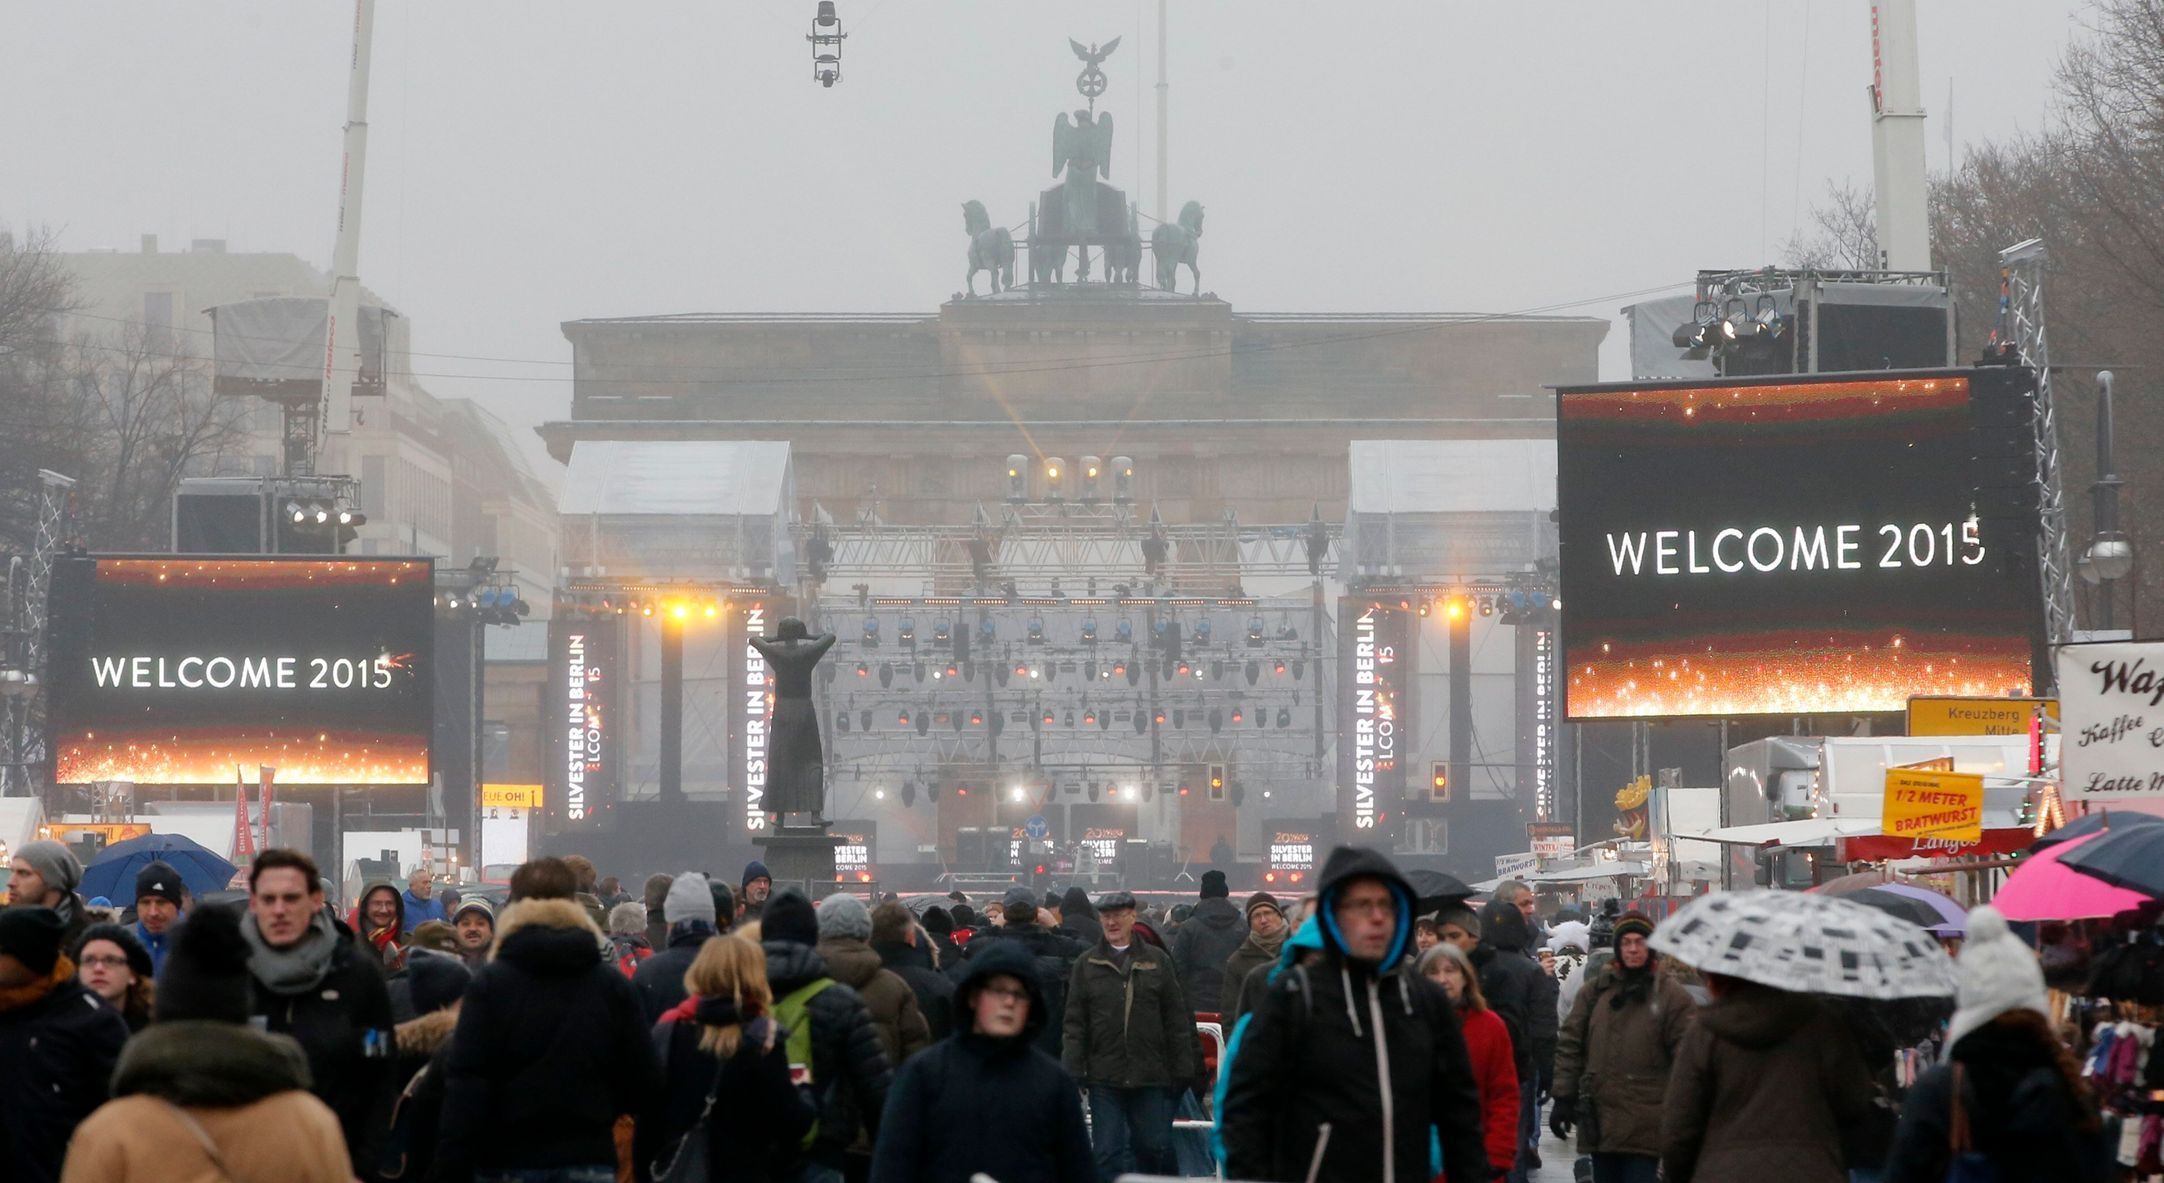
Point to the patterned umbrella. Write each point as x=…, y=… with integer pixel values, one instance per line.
x=1812, y=944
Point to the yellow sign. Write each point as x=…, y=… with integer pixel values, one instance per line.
x=510, y=796
x=112, y=831
x=1976, y=716
x=1934, y=805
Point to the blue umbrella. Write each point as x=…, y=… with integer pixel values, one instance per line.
x=2131, y=857
x=113, y=873
x=2095, y=823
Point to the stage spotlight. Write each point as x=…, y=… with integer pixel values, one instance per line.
x=1217, y=720
x=1134, y=675
x=1284, y=717
x=1454, y=608
x=1015, y=793
x=904, y=719
x=908, y=632
x=1142, y=721
x=1124, y=632
x=1253, y=671
x=886, y=674
x=1425, y=603
x=1018, y=477
x=1089, y=630
x=909, y=793
x=871, y=632
x=924, y=722
x=1036, y=631
x=879, y=794
x=1048, y=718
x=352, y=517
x=1202, y=631
x=864, y=720
x=1217, y=670
x=976, y=718
x=1298, y=667
x=841, y=722
x=1123, y=478
x=1051, y=672
x=1487, y=605
x=1280, y=665
x=999, y=674
x=916, y=670
x=1238, y=715
x=1179, y=716
x=941, y=633
x=1089, y=718
x=1093, y=471
x=1254, y=632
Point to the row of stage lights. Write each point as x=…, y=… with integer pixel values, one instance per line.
x=668, y=607
x=1216, y=789
x=490, y=603
x=1733, y=326
x=315, y=514
x=1164, y=633
x=924, y=718
x=1089, y=478
x=1088, y=670
x=1516, y=606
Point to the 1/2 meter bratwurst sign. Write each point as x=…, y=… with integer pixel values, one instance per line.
x=1798, y=545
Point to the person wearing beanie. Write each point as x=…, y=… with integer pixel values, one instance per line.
x=113, y=965
x=2027, y=1108
x=159, y=897
x=1078, y=918
x=906, y=948
x=754, y=889
x=724, y=897
x=58, y=1043
x=1208, y=939
x=849, y=1068
x=1266, y=932
x=940, y=927
x=688, y=912
x=474, y=923
x=45, y=874
x=845, y=942
x=201, y=1095
x=1613, y=1055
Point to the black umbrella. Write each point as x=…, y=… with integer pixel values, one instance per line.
x=1901, y=907
x=2095, y=823
x=2131, y=857
x=1436, y=889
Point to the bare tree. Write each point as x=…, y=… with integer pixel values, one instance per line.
x=1843, y=234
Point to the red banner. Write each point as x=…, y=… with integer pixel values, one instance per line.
x=243, y=836
x=1872, y=847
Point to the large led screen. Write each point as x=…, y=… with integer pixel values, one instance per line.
x=1797, y=545
x=178, y=670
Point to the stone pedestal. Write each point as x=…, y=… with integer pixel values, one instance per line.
x=800, y=856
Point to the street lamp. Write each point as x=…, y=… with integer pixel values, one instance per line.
x=2111, y=555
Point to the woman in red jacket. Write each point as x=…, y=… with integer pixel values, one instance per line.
x=1487, y=1044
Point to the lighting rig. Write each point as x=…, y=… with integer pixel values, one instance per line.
x=481, y=591
x=826, y=40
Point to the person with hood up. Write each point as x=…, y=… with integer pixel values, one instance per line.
x=1266, y=932
x=550, y=1049
x=313, y=980
x=1764, y=1087
x=849, y=1074
x=159, y=897
x=202, y=1095
x=1487, y=1043
x=845, y=931
x=907, y=952
x=1524, y=995
x=58, y=1043
x=689, y=910
x=991, y=1077
x=1130, y=1040
x=1206, y=941
x=1054, y=953
x=1078, y=917
x=938, y=925
x=1613, y=1058
x=45, y=874
x=380, y=919
x=2009, y=1093
x=474, y=923
x=1344, y=1065
x=628, y=946
x=724, y=1060
x=113, y=965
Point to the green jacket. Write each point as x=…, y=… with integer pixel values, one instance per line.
x=1129, y=1026
x=1616, y=1061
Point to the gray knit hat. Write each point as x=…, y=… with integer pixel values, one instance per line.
x=53, y=862
x=844, y=915
x=689, y=899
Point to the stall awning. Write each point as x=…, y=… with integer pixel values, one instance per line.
x=1810, y=831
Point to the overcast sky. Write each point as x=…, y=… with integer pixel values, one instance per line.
x=536, y=161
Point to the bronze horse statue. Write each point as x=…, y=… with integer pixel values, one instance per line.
x=1174, y=243
x=991, y=248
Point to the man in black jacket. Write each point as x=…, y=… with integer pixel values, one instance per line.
x=849, y=1070
x=1524, y=995
x=1212, y=933
x=57, y=1040
x=1345, y=1066
x=550, y=1049
x=903, y=949
x=987, y=1100
x=310, y=978
x=1130, y=1040
x=1052, y=952
x=689, y=911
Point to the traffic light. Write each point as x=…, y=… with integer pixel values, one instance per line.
x=1439, y=781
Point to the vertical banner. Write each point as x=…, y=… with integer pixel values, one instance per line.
x=2111, y=720
x=1374, y=676
x=243, y=830
x=585, y=749
x=266, y=774
x=751, y=701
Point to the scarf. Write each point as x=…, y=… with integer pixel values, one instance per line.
x=17, y=997
x=1631, y=985
x=295, y=970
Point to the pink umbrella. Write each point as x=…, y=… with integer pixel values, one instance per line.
x=2041, y=889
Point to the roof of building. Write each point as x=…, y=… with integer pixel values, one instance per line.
x=677, y=478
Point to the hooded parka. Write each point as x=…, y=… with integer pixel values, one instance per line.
x=1201, y=947
x=1344, y=1067
x=1614, y=1057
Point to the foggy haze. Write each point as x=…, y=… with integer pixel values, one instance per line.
x=531, y=163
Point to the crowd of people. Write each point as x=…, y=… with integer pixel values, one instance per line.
x=704, y=1031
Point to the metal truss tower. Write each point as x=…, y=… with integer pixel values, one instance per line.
x=23, y=736
x=2021, y=326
